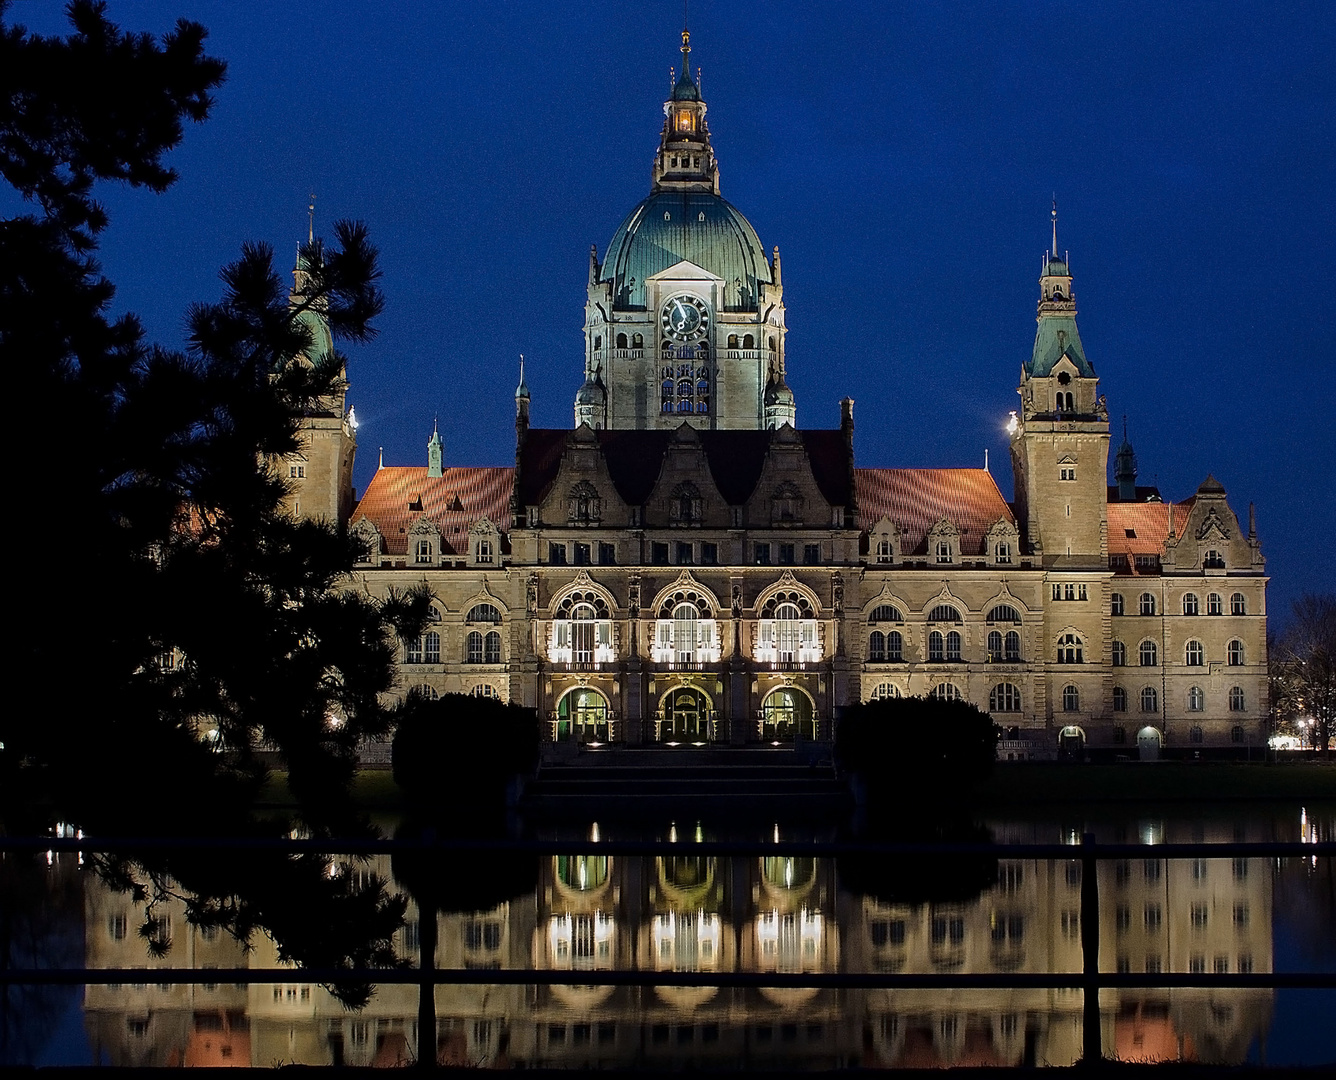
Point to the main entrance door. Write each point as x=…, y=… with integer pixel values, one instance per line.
x=582, y=716
x=686, y=717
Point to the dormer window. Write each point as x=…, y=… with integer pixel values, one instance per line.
x=584, y=505
x=485, y=552
x=944, y=553
x=884, y=554
x=422, y=551
x=1002, y=552
x=786, y=505
x=1213, y=560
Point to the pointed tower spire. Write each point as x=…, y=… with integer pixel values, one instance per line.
x=685, y=161
x=522, y=391
x=1053, y=252
x=435, y=452
x=1125, y=469
x=310, y=220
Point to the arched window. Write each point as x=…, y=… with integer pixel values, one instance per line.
x=732, y=341
x=1071, y=699
x=787, y=631
x=1213, y=560
x=885, y=553
x=685, y=504
x=953, y=645
x=946, y=692
x=684, y=406
x=1193, y=655
x=582, y=630
x=1215, y=604
x=772, y=342
x=936, y=647
x=1196, y=699
x=1004, y=697
x=895, y=647
x=1004, y=613
x=1235, y=653
x=994, y=646
x=1116, y=604
x=1011, y=647
x=621, y=341
x=1190, y=606
x=1147, y=606
x=684, y=632
x=876, y=647
x=432, y=647
x=1238, y=604
x=786, y=712
x=483, y=613
x=491, y=648
x=1236, y=699
x=1195, y=733
x=1071, y=650
x=473, y=648
x=944, y=613
x=1149, y=656
x=429, y=692
x=1119, y=651
x=702, y=406
x=1150, y=699
x=584, y=507
x=885, y=690
x=637, y=341
x=886, y=613
x=1119, y=699
x=748, y=342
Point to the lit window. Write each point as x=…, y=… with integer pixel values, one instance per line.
x=1193, y=655
x=1235, y=653
x=1149, y=656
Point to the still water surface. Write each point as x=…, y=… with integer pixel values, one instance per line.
x=687, y=913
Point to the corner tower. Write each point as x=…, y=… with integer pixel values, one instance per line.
x=1060, y=443
x=684, y=321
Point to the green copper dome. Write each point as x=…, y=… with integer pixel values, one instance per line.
x=697, y=226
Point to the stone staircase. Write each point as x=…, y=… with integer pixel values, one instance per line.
x=763, y=779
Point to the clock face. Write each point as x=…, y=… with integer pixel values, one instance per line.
x=685, y=318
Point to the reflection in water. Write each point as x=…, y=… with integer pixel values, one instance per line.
x=691, y=914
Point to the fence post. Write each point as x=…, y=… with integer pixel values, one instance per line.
x=1091, y=1050
x=426, y=1033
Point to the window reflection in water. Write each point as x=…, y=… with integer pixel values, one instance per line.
x=781, y=914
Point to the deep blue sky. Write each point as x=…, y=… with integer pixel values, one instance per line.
x=901, y=156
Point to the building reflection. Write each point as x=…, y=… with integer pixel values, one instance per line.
x=687, y=913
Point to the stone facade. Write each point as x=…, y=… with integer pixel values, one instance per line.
x=688, y=565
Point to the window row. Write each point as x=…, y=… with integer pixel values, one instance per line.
x=479, y=648
x=889, y=647
x=1147, y=604
x=1196, y=700
x=1194, y=655
x=432, y=694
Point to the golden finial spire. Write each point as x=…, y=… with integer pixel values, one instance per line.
x=310, y=220
x=1055, y=225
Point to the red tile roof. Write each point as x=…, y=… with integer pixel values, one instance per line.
x=453, y=501
x=916, y=499
x=1149, y=521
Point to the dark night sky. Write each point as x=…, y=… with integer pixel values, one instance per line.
x=901, y=156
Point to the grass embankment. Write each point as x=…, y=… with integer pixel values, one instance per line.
x=1160, y=781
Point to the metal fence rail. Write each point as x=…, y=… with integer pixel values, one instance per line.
x=426, y=976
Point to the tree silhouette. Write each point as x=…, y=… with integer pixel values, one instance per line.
x=183, y=624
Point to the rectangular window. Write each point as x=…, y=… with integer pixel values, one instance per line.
x=422, y=551
x=1081, y=592
x=762, y=554
x=1057, y=592
x=684, y=554
x=556, y=554
x=811, y=554
x=582, y=555
x=658, y=554
x=607, y=554
x=1067, y=474
x=786, y=552
x=709, y=554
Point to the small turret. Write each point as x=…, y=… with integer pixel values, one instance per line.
x=591, y=403
x=780, y=406
x=1125, y=469
x=435, y=452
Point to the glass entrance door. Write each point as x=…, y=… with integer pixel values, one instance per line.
x=686, y=717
